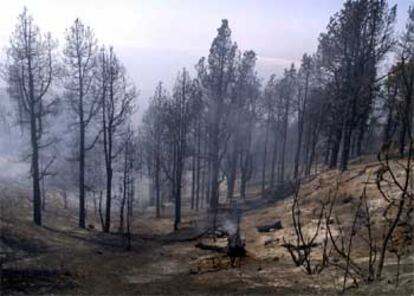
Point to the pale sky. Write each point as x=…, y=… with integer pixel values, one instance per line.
x=155, y=39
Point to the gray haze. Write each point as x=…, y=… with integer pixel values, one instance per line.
x=155, y=39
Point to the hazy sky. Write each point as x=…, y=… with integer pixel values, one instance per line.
x=156, y=38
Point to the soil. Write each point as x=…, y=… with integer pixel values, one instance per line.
x=61, y=259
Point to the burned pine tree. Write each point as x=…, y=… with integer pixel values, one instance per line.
x=276, y=108
x=177, y=117
x=357, y=40
x=80, y=66
x=116, y=99
x=399, y=88
x=240, y=121
x=314, y=123
x=29, y=72
x=249, y=115
x=152, y=136
x=405, y=74
x=286, y=91
x=166, y=136
x=303, y=80
x=268, y=111
x=197, y=134
x=216, y=78
x=127, y=176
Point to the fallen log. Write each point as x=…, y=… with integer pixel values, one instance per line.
x=268, y=228
x=300, y=247
x=214, y=248
x=186, y=235
x=193, y=233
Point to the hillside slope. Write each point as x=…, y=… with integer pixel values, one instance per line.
x=59, y=258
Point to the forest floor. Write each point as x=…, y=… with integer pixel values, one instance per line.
x=59, y=258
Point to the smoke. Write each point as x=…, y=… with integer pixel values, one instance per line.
x=229, y=226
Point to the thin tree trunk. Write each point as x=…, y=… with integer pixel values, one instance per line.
x=128, y=220
x=265, y=159
x=193, y=181
x=308, y=148
x=43, y=188
x=312, y=155
x=108, y=200
x=65, y=199
x=301, y=115
x=124, y=191
x=132, y=195
x=403, y=132
x=101, y=218
x=198, y=167
x=346, y=148
x=283, y=152
x=157, y=186
x=231, y=178
x=243, y=185
x=215, y=169
x=328, y=150
x=274, y=160
x=82, y=173
x=37, y=210
x=298, y=149
x=95, y=205
x=203, y=196
x=335, y=149
x=177, y=187
x=81, y=152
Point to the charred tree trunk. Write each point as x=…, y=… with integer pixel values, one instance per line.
x=346, y=147
x=265, y=159
x=246, y=164
x=193, y=180
x=157, y=186
x=298, y=149
x=208, y=183
x=274, y=159
x=336, y=142
x=360, y=140
x=283, y=150
x=403, y=133
x=124, y=190
x=232, y=172
x=215, y=167
x=328, y=150
x=37, y=210
x=108, y=199
x=197, y=193
x=203, y=190
x=128, y=219
x=81, y=149
x=82, y=215
x=65, y=199
x=312, y=152
x=177, y=191
x=301, y=122
x=121, y=212
x=43, y=187
x=101, y=218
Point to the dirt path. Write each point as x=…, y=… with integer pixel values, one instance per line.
x=92, y=263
